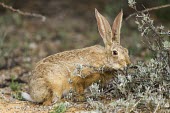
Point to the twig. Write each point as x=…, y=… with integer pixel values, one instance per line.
x=23, y=13
x=149, y=9
x=134, y=105
x=156, y=109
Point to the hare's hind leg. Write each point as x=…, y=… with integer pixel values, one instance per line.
x=57, y=91
x=39, y=90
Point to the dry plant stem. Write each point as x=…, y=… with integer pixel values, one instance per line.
x=149, y=43
x=159, y=39
x=23, y=13
x=135, y=105
x=149, y=9
x=156, y=109
x=168, y=52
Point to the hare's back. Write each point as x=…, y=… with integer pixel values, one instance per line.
x=73, y=55
x=62, y=65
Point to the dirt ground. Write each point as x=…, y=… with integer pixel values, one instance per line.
x=9, y=104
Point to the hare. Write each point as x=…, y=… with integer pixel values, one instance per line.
x=55, y=75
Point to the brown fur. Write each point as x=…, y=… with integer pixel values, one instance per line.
x=57, y=74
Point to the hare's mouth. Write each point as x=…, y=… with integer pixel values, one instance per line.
x=119, y=66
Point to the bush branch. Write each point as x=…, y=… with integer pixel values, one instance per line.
x=149, y=9
x=23, y=13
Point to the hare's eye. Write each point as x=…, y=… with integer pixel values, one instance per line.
x=114, y=52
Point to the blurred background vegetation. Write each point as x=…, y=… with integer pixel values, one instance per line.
x=70, y=24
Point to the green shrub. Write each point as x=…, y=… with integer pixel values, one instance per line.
x=16, y=88
x=61, y=108
x=145, y=86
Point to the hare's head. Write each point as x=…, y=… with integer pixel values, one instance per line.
x=117, y=55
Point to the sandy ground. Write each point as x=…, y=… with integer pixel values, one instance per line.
x=8, y=104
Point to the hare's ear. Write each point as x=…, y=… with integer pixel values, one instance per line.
x=117, y=27
x=104, y=29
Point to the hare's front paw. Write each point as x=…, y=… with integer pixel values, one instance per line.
x=51, y=101
x=55, y=99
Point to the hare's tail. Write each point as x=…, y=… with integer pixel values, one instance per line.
x=26, y=96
